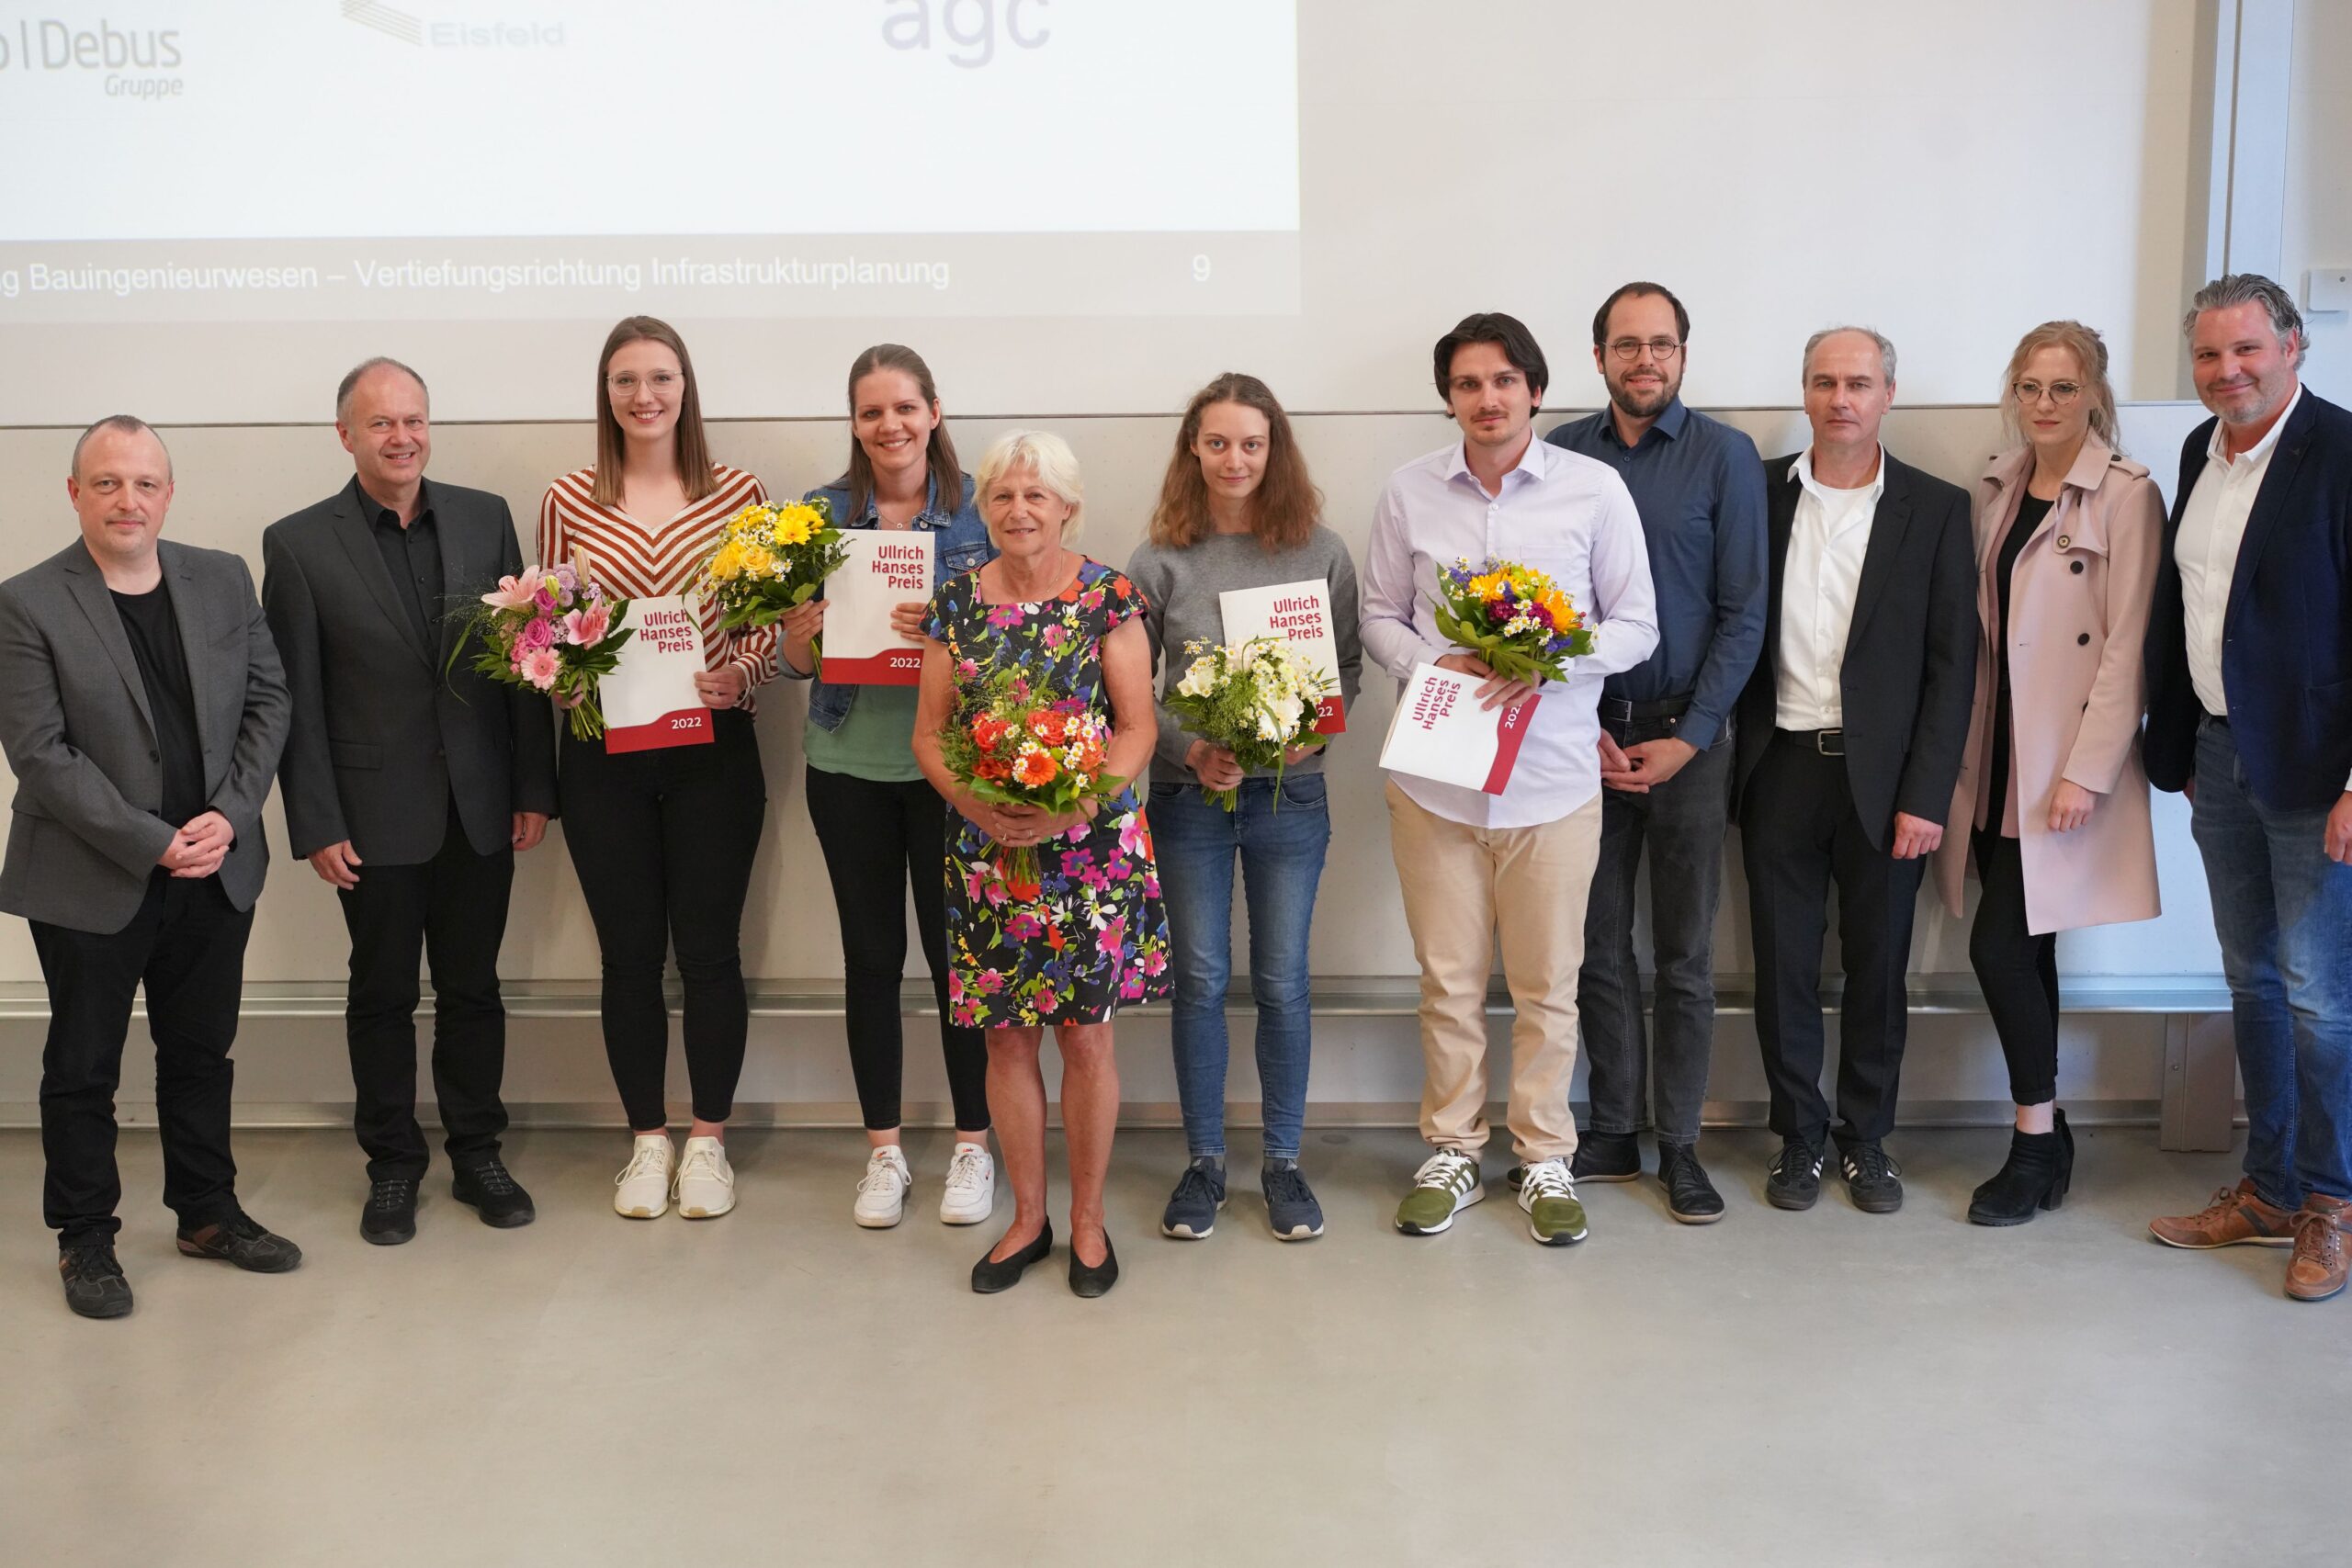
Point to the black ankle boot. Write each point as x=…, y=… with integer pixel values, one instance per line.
x=2036, y=1175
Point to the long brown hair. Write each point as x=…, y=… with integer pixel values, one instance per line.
x=2090, y=352
x=1283, y=508
x=947, y=475
x=695, y=475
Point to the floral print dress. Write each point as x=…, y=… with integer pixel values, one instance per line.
x=1091, y=937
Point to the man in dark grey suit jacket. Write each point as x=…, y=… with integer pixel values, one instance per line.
x=409, y=783
x=142, y=712
x=1849, y=736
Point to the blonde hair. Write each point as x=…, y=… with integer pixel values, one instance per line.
x=2090, y=360
x=1045, y=454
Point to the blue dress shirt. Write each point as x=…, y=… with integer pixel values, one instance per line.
x=1699, y=486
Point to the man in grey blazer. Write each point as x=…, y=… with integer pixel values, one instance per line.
x=409, y=782
x=142, y=710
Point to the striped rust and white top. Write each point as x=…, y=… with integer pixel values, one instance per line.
x=634, y=561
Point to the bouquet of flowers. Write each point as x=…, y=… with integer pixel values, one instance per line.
x=553, y=629
x=1012, y=746
x=1256, y=699
x=771, y=558
x=1511, y=616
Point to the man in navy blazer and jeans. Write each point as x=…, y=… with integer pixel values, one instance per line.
x=2250, y=711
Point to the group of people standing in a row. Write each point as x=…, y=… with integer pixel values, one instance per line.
x=1865, y=667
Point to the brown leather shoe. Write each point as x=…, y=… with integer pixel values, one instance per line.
x=2317, y=1269
x=2236, y=1217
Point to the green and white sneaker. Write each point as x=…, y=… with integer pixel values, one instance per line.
x=1446, y=1184
x=1548, y=1193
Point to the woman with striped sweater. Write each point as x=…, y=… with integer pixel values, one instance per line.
x=663, y=838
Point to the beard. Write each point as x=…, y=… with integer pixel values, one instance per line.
x=1642, y=403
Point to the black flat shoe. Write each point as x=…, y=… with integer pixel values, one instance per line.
x=389, y=1217
x=1097, y=1280
x=989, y=1277
x=93, y=1283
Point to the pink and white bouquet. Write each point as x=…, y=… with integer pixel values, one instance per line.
x=554, y=630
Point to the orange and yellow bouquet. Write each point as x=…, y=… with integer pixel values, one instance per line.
x=1010, y=745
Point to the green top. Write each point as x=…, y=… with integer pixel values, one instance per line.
x=876, y=739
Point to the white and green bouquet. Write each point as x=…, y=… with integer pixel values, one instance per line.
x=1257, y=699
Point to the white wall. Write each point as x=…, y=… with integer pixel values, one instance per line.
x=1784, y=166
x=2318, y=229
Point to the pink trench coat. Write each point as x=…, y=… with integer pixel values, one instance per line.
x=2078, y=613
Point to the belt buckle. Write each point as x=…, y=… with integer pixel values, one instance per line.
x=1829, y=742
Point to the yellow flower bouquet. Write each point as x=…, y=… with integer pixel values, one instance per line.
x=771, y=558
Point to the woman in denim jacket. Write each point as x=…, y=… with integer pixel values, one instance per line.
x=878, y=820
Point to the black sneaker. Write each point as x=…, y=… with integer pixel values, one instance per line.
x=242, y=1240
x=390, y=1217
x=1874, y=1182
x=1689, y=1196
x=1191, y=1215
x=1291, y=1209
x=1607, y=1156
x=1794, y=1180
x=497, y=1197
x=93, y=1283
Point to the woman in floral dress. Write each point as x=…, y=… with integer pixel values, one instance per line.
x=1090, y=937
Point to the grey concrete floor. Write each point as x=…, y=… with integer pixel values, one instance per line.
x=782, y=1387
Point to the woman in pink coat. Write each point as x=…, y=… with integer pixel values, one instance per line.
x=2067, y=536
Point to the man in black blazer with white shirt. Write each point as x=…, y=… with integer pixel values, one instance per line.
x=1850, y=733
x=409, y=784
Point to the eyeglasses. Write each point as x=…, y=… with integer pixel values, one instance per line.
x=2061, y=392
x=1630, y=348
x=628, y=381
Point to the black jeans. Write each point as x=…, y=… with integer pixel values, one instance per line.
x=1681, y=824
x=2017, y=970
x=664, y=842
x=876, y=837
x=1799, y=832
x=187, y=944
x=452, y=908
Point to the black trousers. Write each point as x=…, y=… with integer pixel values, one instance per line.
x=187, y=944
x=2017, y=970
x=1799, y=833
x=664, y=842
x=452, y=909
x=878, y=837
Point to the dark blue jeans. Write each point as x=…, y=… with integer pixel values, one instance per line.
x=2283, y=911
x=1281, y=859
x=1681, y=824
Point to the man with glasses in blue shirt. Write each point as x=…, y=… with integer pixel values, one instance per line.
x=1666, y=752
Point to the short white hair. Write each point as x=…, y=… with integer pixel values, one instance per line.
x=1046, y=455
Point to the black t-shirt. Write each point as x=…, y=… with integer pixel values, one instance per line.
x=2031, y=510
x=154, y=632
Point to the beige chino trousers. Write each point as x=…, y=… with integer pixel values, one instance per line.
x=1464, y=886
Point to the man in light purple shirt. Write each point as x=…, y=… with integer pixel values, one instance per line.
x=1519, y=863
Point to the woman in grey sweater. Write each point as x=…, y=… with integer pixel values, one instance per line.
x=1236, y=510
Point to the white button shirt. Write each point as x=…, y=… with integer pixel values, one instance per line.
x=1819, y=584
x=2212, y=527
x=1565, y=516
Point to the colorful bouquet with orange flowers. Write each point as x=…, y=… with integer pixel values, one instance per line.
x=1511, y=616
x=1010, y=745
x=553, y=630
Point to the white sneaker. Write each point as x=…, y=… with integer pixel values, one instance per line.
x=705, y=1187
x=644, y=1187
x=971, y=1187
x=882, y=1195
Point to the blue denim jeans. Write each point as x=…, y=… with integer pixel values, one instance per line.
x=2283, y=911
x=1281, y=859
